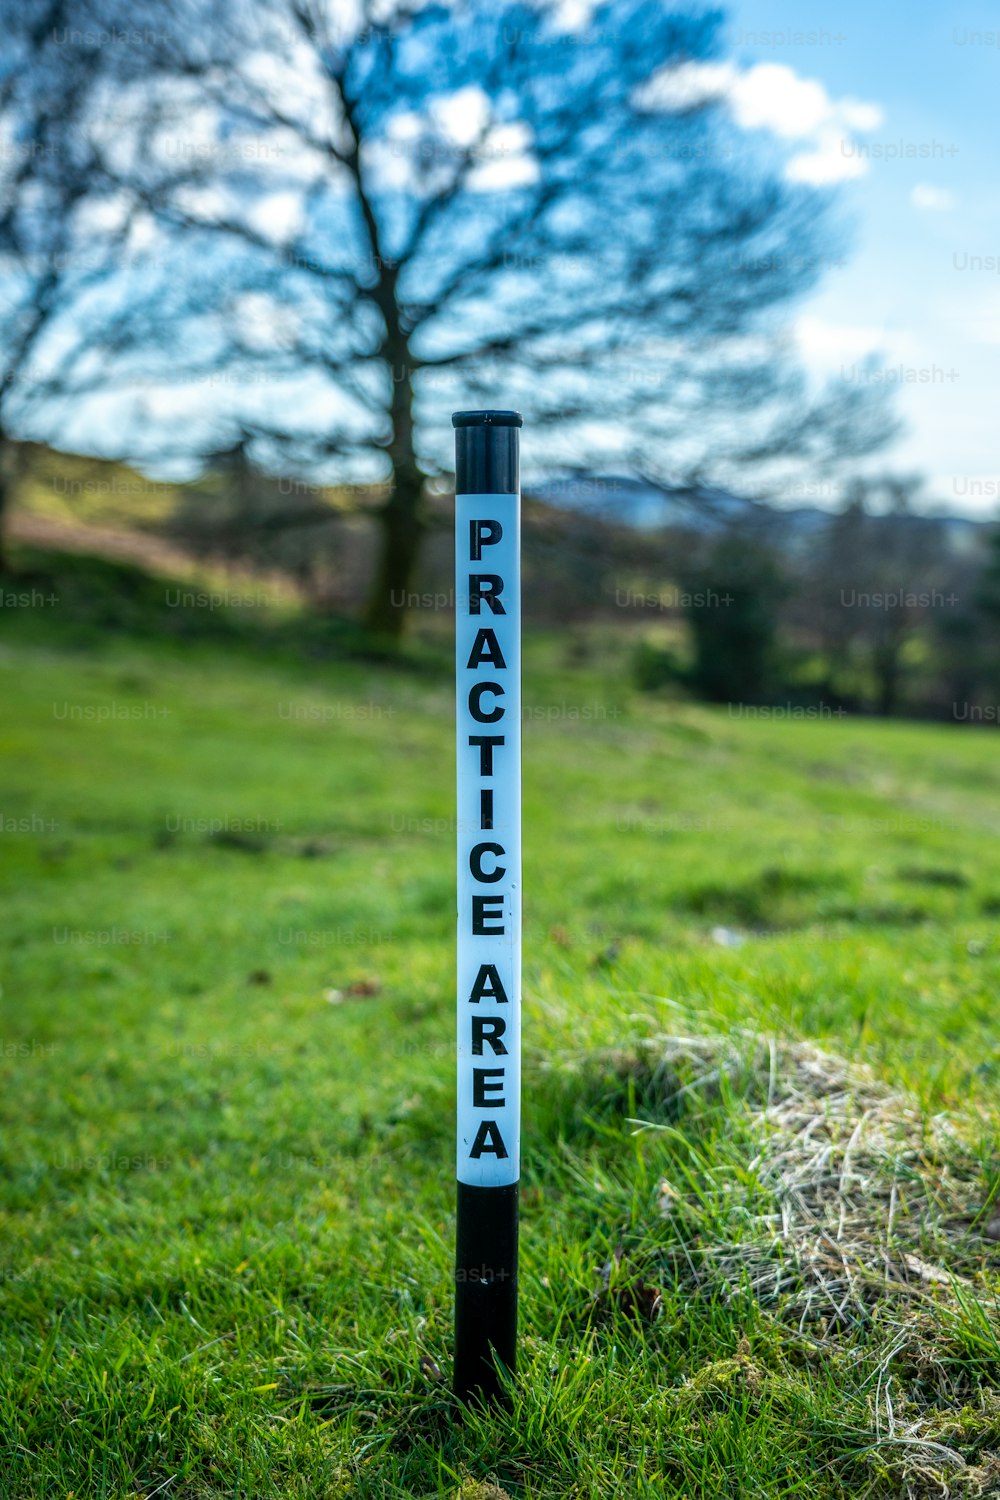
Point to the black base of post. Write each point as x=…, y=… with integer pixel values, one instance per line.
x=485, y=1290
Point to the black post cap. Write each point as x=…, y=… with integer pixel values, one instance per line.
x=487, y=445
x=486, y=419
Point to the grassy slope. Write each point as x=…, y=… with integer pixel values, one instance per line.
x=225, y=1233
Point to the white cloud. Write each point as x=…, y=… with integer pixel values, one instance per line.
x=278, y=216
x=829, y=347
x=105, y=215
x=208, y=201
x=462, y=115
x=573, y=15
x=932, y=199
x=772, y=96
x=433, y=146
x=686, y=86
x=829, y=343
x=264, y=324
x=505, y=160
x=829, y=160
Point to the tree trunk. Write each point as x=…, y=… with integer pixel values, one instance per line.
x=887, y=678
x=400, y=521
x=400, y=534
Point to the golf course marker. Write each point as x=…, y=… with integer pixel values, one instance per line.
x=488, y=775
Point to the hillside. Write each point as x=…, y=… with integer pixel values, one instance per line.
x=761, y=962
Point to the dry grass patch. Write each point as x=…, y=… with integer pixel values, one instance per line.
x=851, y=1197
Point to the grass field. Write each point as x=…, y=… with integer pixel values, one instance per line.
x=226, y=1095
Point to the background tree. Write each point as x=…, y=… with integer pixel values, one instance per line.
x=966, y=662
x=89, y=303
x=834, y=568
x=734, y=584
x=62, y=226
x=430, y=206
x=41, y=185
x=988, y=596
x=977, y=633
x=879, y=584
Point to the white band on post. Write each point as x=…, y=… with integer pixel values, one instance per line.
x=488, y=727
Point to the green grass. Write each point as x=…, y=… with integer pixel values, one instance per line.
x=226, y=1098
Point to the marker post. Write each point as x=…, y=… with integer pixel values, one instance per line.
x=488, y=771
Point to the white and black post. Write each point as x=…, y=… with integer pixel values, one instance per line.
x=488, y=767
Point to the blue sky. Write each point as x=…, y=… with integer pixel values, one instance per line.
x=895, y=105
x=911, y=289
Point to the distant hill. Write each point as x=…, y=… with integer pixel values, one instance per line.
x=636, y=501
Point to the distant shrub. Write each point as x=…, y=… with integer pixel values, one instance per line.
x=736, y=589
x=654, y=667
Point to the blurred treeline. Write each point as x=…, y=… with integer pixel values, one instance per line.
x=869, y=607
x=251, y=240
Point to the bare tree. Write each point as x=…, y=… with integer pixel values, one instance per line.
x=423, y=206
x=63, y=227
x=881, y=572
